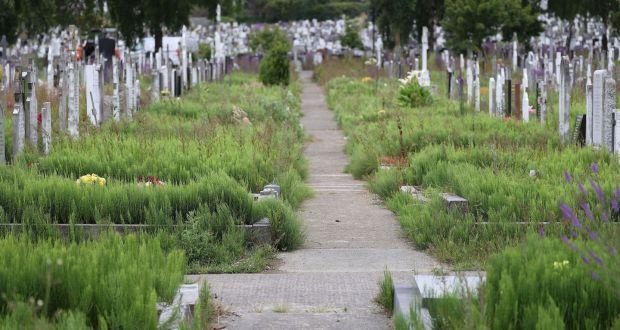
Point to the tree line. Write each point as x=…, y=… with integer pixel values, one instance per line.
x=467, y=23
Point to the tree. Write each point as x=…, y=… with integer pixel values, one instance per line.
x=468, y=22
x=428, y=13
x=521, y=18
x=132, y=16
x=394, y=18
x=351, y=37
x=8, y=20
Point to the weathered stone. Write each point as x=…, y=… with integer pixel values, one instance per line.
x=46, y=127
x=491, y=96
x=589, y=113
x=598, y=107
x=259, y=233
x=608, y=110
x=19, y=133
x=455, y=203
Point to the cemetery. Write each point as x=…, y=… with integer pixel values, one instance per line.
x=368, y=164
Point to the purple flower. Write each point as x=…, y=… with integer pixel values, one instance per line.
x=567, y=176
x=586, y=208
x=582, y=189
x=595, y=168
x=569, y=215
x=614, y=204
x=585, y=260
x=593, y=235
x=596, y=258
x=599, y=192
x=568, y=243
x=617, y=192
x=604, y=216
x=541, y=231
x=574, y=234
x=595, y=276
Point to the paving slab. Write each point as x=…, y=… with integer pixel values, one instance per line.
x=331, y=282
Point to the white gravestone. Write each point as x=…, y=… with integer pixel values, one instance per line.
x=116, y=95
x=598, y=87
x=73, y=113
x=93, y=95
x=46, y=127
x=491, y=101
x=19, y=133
x=609, y=107
x=564, y=100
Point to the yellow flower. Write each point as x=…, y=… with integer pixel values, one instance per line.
x=560, y=264
x=381, y=112
x=366, y=79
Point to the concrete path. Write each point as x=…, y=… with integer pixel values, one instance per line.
x=351, y=238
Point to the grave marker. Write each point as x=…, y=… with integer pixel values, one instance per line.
x=608, y=110
x=598, y=87
x=46, y=127
x=19, y=133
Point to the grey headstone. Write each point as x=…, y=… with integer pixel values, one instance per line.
x=598, y=91
x=608, y=110
x=19, y=133
x=46, y=127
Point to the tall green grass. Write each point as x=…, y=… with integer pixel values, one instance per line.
x=483, y=159
x=113, y=282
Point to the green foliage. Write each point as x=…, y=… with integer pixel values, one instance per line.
x=468, y=22
x=266, y=39
x=362, y=163
x=385, y=298
x=483, y=159
x=204, y=51
x=541, y=283
x=286, y=226
x=22, y=315
x=385, y=182
x=132, y=16
x=351, y=38
x=112, y=282
x=274, y=68
x=412, y=95
x=394, y=19
x=272, y=11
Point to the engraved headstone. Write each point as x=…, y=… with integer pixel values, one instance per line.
x=19, y=133
x=598, y=107
x=609, y=107
x=46, y=127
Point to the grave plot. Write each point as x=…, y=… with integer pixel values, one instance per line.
x=511, y=173
x=186, y=167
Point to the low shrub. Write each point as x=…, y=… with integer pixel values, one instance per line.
x=286, y=225
x=362, y=163
x=274, y=67
x=385, y=298
x=413, y=95
x=386, y=182
x=114, y=282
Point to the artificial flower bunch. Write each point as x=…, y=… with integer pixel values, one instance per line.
x=91, y=179
x=366, y=79
x=150, y=181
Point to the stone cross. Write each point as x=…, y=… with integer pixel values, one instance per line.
x=609, y=107
x=46, y=127
x=19, y=133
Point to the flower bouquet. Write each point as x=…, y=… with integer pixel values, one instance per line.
x=91, y=179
